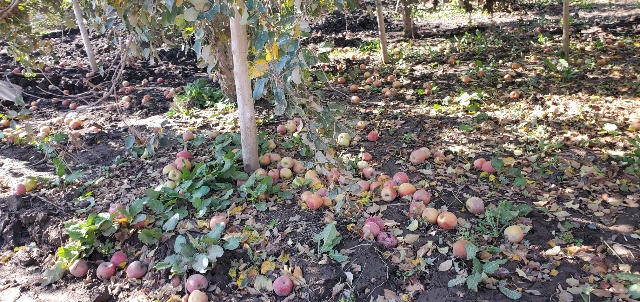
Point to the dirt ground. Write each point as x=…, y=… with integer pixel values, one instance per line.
x=582, y=229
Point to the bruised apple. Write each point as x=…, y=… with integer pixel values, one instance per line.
x=475, y=205
x=196, y=282
x=136, y=270
x=388, y=193
x=118, y=257
x=314, y=201
x=422, y=195
x=78, y=268
x=370, y=230
x=417, y=156
x=459, y=251
x=377, y=220
x=401, y=178
x=282, y=286
x=217, y=219
x=416, y=208
x=447, y=220
x=105, y=270
x=197, y=296
x=514, y=233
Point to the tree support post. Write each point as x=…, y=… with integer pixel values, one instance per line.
x=246, y=109
x=565, y=28
x=85, y=36
x=383, y=34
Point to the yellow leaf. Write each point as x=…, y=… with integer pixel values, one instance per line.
x=509, y=161
x=492, y=178
x=257, y=68
x=284, y=258
x=202, y=223
x=232, y=272
x=242, y=280
x=237, y=210
x=553, y=272
x=272, y=52
x=267, y=266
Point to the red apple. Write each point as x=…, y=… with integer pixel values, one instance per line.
x=282, y=286
x=388, y=193
x=373, y=136
x=478, y=163
x=401, y=178
x=487, y=167
x=447, y=220
x=406, y=189
x=422, y=195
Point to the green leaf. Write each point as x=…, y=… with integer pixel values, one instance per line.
x=200, y=192
x=216, y=232
x=149, y=237
x=497, y=163
x=473, y=281
x=178, y=245
x=466, y=128
x=285, y=195
x=261, y=206
x=511, y=294
x=54, y=273
x=520, y=182
x=258, y=89
x=129, y=141
x=471, y=249
x=171, y=223
x=337, y=256
x=232, y=244
x=491, y=266
x=200, y=263
x=214, y=252
x=457, y=281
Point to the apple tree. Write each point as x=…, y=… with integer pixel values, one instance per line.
x=261, y=38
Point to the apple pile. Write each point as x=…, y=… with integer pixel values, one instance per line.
x=291, y=126
x=373, y=229
x=483, y=165
x=174, y=169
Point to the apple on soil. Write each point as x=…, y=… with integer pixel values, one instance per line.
x=282, y=286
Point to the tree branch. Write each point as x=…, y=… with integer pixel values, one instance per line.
x=6, y=11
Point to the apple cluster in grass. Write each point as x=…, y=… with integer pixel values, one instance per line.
x=290, y=127
x=107, y=269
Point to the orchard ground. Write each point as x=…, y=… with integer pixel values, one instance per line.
x=558, y=146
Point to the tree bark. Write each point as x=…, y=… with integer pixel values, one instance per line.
x=565, y=28
x=224, y=56
x=85, y=36
x=246, y=110
x=406, y=19
x=383, y=34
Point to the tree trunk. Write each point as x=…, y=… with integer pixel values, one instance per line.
x=85, y=36
x=565, y=28
x=222, y=52
x=406, y=19
x=246, y=110
x=383, y=34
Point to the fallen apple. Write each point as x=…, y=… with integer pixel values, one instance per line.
x=282, y=286
x=196, y=282
x=514, y=233
x=459, y=251
x=447, y=220
x=475, y=205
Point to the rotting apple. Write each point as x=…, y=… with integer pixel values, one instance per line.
x=105, y=270
x=136, y=270
x=475, y=205
x=196, y=282
x=388, y=193
x=459, y=251
x=422, y=195
x=514, y=233
x=400, y=178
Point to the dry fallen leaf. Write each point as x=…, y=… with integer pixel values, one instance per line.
x=445, y=266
